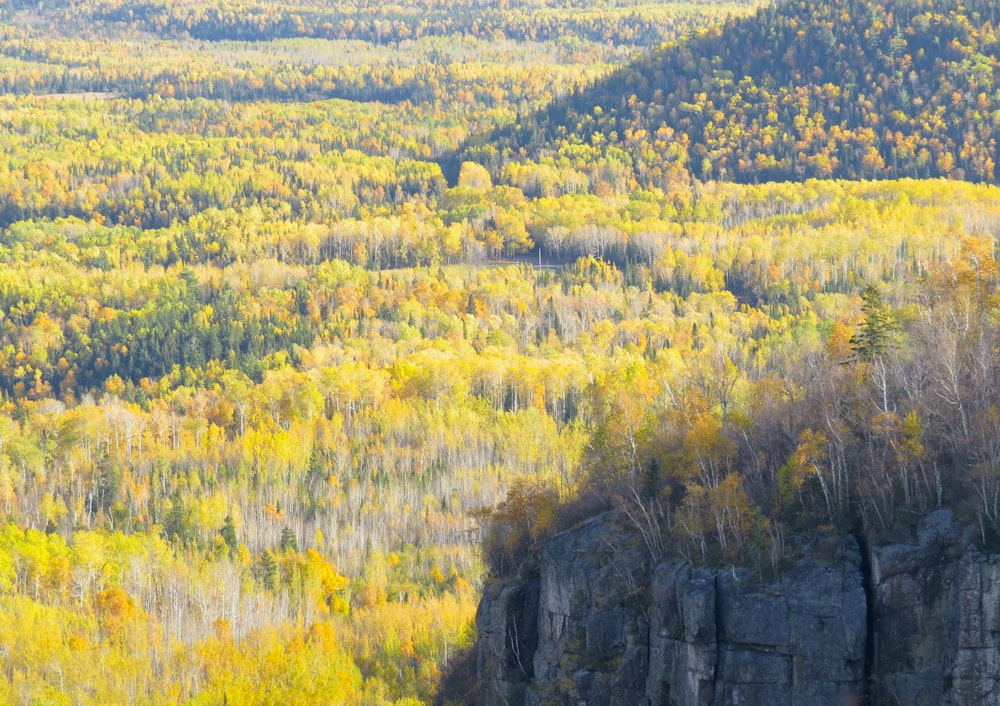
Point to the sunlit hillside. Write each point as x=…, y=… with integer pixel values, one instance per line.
x=265, y=369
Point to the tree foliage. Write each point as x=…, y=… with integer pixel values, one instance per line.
x=857, y=90
x=262, y=367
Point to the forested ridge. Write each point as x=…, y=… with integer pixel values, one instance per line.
x=265, y=372
x=853, y=89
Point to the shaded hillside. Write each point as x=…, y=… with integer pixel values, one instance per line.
x=852, y=89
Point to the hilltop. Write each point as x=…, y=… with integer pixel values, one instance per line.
x=855, y=89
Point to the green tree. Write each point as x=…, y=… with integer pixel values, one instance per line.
x=874, y=336
x=288, y=541
x=228, y=534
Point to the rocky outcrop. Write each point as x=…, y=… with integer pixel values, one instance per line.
x=937, y=619
x=592, y=624
x=717, y=637
x=910, y=624
x=507, y=623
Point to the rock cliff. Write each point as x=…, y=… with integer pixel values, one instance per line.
x=904, y=623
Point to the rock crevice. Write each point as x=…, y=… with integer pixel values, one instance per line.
x=903, y=623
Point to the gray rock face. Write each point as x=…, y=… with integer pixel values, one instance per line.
x=719, y=638
x=600, y=627
x=507, y=622
x=937, y=619
x=592, y=633
x=683, y=648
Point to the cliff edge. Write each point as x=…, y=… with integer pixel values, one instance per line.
x=599, y=623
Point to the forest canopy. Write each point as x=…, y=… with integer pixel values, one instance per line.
x=278, y=330
x=856, y=90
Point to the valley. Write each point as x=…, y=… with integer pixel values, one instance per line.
x=316, y=318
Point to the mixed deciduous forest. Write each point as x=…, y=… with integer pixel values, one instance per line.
x=854, y=89
x=276, y=349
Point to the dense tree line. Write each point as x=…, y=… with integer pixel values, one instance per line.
x=855, y=90
x=88, y=301
x=618, y=23
x=420, y=394
x=262, y=367
x=861, y=425
x=238, y=36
